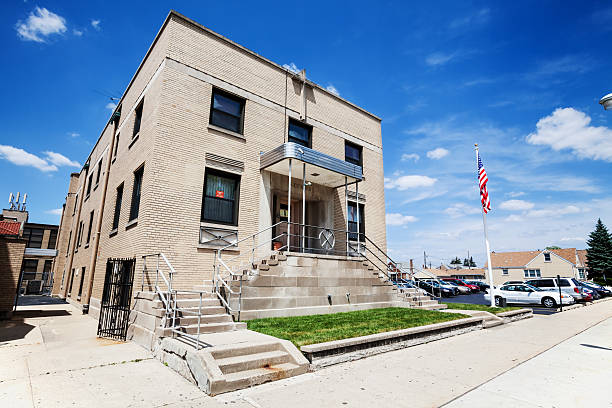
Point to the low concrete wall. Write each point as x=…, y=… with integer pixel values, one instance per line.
x=339, y=351
x=514, y=315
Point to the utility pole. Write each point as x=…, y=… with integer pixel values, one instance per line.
x=424, y=260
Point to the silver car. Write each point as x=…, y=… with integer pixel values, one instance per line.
x=569, y=286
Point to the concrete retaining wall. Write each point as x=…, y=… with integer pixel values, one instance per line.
x=339, y=351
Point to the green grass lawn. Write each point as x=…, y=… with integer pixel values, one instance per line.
x=303, y=330
x=469, y=306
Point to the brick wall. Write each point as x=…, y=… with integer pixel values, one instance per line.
x=11, y=258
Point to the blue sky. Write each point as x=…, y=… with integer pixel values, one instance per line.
x=522, y=79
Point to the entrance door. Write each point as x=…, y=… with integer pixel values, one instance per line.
x=116, y=299
x=281, y=214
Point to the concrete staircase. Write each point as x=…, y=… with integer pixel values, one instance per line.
x=288, y=284
x=419, y=300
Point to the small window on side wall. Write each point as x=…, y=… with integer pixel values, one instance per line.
x=300, y=133
x=546, y=257
x=137, y=119
x=353, y=153
x=118, y=201
x=504, y=272
x=221, y=197
x=136, y=192
x=227, y=111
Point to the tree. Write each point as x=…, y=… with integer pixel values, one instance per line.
x=472, y=263
x=599, y=250
x=466, y=262
x=550, y=248
x=456, y=261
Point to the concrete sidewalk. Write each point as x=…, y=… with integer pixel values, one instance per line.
x=433, y=374
x=50, y=357
x=575, y=373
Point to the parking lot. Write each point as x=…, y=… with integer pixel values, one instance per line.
x=478, y=299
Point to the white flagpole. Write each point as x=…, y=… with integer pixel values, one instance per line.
x=486, y=236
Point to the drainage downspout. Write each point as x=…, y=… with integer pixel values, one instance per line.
x=96, y=243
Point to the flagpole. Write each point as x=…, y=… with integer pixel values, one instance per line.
x=487, y=245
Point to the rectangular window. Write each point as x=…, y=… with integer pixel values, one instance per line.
x=47, y=266
x=34, y=237
x=91, y=215
x=352, y=220
x=504, y=272
x=68, y=247
x=71, y=281
x=52, y=239
x=98, y=172
x=227, y=111
x=116, y=145
x=526, y=271
x=90, y=180
x=581, y=273
x=137, y=119
x=80, y=234
x=300, y=133
x=76, y=200
x=30, y=265
x=546, y=257
x=136, y=191
x=353, y=153
x=532, y=273
x=81, y=283
x=118, y=200
x=221, y=197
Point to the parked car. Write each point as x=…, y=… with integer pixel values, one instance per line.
x=513, y=283
x=473, y=288
x=570, y=286
x=527, y=294
x=602, y=291
x=482, y=285
x=591, y=292
x=464, y=290
x=434, y=287
x=454, y=290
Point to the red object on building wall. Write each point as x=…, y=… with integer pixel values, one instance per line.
x=219, y=194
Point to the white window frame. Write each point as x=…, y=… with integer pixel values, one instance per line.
x=505, y=272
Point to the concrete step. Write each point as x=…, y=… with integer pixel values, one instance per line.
x=191, y=302
x=205, y=328
x=492, y=323
x=221, y=352
x=190, y=295
x=249, y=378
x=204, y=319
x=206, y=310
x=275, y=291
x=236, y=364
x=306, y=280
x=306, y=301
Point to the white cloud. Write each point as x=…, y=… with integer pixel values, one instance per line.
x=554, y=212
x=76, y=32
x=396, y=219
x=20, y=157
x=439, y=58
x=437, y=154
x=60, y=159
x=516, y=205
x=292, y=67
x=95, y=24
x=461, y=209
x=565, y=239
x=411, y=156
x=406, y=182
x=514, y=218
x=332, y=89
x=111, y=106
x=74, y=134
x=55, y=211
x=479, y=17
x=568, y=128
x=40, y=24
x=515, y=194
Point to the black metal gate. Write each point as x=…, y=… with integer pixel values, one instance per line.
x=116, y=298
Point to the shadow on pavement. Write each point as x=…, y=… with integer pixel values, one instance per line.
x=14, y=330
x=34, y=300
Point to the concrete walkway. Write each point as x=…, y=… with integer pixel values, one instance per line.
x=50, y=357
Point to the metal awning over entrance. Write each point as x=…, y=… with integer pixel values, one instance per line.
x=321, y=168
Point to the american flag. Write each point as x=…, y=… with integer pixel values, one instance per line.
x=482, y=182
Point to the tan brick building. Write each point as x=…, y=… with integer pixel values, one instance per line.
x=198, y=155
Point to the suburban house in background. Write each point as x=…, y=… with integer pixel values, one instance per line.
x=567, y=262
